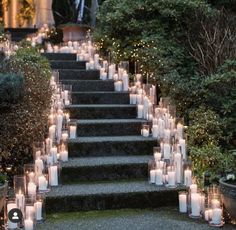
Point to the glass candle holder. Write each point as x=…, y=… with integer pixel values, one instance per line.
x=145, y=131
x=64, y=135
x=66, y=94
x=43, y=184
x=73, y=129
x=29, y=171
x=19, y=182
x=38, y=149
x=171, y=172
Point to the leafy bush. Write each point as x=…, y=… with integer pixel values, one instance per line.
x=11, y=88
x=24, y=122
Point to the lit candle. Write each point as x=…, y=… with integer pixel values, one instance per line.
x=38, y=166
x=183, y=202
x=152, y=176
x=159, y=177
x=38, y=210
x=118, y=86
x=42, y=181
x=29, y=212
x=125, y=79
x=140, y=111
x=139, y=99
x=31, y=176
x=20, y=200
x=195, y=204
x=72, y=131
x=64, y=136
x=180, y=131
x=31, y=188
x=193, y=188
x=187, y=177
x=178, y=166
x=145, y=132
x=28, y=224
x=53, y=175
x=157, y=156
x=182, y=145
x=54, y=154
x=171, y=178
x=155, y=131
x=64, y=156
x=208, y=214
x=52, y=131
x=216, y=215
x=167, y=149
x=133, y=98
x=215, y=203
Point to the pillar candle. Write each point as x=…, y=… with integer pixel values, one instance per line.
x=53, y=153
x=145, y=132
x=167, y=149
x=118, y=86
x=104, y=76
x=38, y=166
x=152, y=176
x=59, y=125
x=157, y=156
x=133, y=98
x=139, y=99
x=20, y=201
x=48, y=142
x=49, y=160
x=187, y=177
x=167, y=135
x=180, y=130
x=53, y=175
x=178, y=167
x=171, y=178
x=193, y=188
x=28, y=224
x=159, y=177
x=52, y=132
x=64, y=156
x=72, y=131
x=208, y=214
x=42, y=182
x=31, y=188
x=64, y=136
x=182, y=203
x=195, y=204
x=125, y=79
x=38, y=206
x=140, y=111
x=182, y=144
x=96, y=60
x=215, y=203
x=111, y=72
x=155, y=131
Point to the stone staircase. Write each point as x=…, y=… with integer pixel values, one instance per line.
x=108, y=162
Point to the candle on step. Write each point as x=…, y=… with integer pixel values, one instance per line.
x=53, y=175
x=31, y=188
x=193, y=188
x=178, y=167
x=182, y=202
x=157, y=156
x=171, y=178
x=38, y=206
x=38, y=166
x=155, y=131
x=54, y=154
x=140, y=111
x=125, y=79
x=42, y=181
x=208, y=214
x=215, y=203
x=52, y=131
x=64, y=156
x=96, y=61
x=20, y=200
x=139, y=99
x=133, y=98
x=104, y=76
x=159, y=177
x=72, y=131
x=187, y=177
x=29, y=225
x=152, y=176
x=166, y=147
x=195, y=204
x=180, y=131
x=182, y=144
x=145, y=132
x=118, y=86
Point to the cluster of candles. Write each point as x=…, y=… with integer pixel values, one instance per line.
x=44, y=173
x=207, y=205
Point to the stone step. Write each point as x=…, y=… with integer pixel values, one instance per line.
x=111, y=146
x=105, y=168
x=112, y=195
x=109, y=127
x=60, y=56
x=102, y=111
x=78, y=74
x=90, y=85
x=100, y=97
x=58, y=64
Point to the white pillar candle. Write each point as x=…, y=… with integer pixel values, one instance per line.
x=59, y=125
x=49, y=160
x=42, y=181
x=64, y=136
x=104, y=76
x=29, y=212
x=178, y=167
x=31, y=176
x=87, y=66
x=38, y=166
x=64, y=156
x=53, y=175
x=133, y=98
x=216, y=216
x=140, y=111
x=111, y=72
x=145, y=132
x=48, y=142
x=195, y=204
x=125, y=79
x=139, y=99
x=38, y=206
x=171, y=178
x=157, y=156
x=182, y=144
x=10, y=224
x=20, y=200
x=91, y=65
x=28, y=224
x=167, y=148
x=72, y=131
x=193, y=188
x=31, y=189
x=120, y=72
x=145, y=107
x=208, y=214
x=53, y=153
x=52, y=131
x=159, y=177
x=182, y=203
x=152, y=176
x=167, y=135
x=96, y=60
x=187, y=177
x=70, y=44
x=118, y=86
x=155, y=131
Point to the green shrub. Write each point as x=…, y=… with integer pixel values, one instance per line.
x=11, y=88
x=24, y=122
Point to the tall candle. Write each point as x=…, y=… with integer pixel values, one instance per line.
x=152, y=176
x=140, y=111
x=29, y=212
x=155, y=131
x=118, y=86
x=54, y=154
x=171, y=178
x=216, y=215
x=182, y=144
x=195, y=204
x=42, y=181
x=187, y=177
x=38, y=210
x=178, y=167
x=31, y=188
x=64, y=156
x=72, y=131
x=125, y=79
x=180, y=131
x=20, y=201
x=166, y=148
x=52, y=132
x=53, y=175
x=39, y=166
x=193, y=188
x=183, y=202
x=159, y=177
x=29, y=225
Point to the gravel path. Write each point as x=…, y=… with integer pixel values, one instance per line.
x=164, y=219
